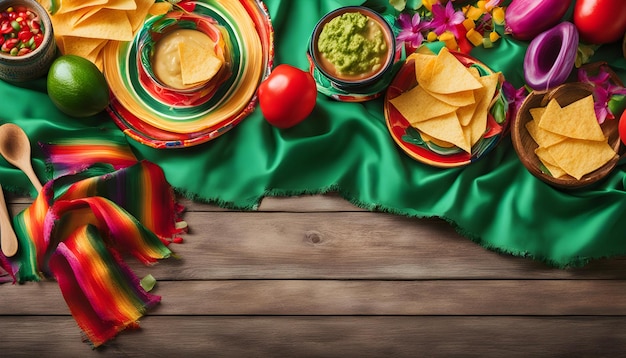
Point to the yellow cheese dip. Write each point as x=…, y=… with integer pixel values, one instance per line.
x=352, y=46
x=166, y=63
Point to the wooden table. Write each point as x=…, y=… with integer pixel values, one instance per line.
x=315, y=276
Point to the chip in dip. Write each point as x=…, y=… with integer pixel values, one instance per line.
x=185, y=58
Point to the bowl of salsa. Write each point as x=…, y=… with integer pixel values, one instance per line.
x=352, y=53
x=27, y=45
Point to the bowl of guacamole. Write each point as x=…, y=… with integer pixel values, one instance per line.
x=353, y=48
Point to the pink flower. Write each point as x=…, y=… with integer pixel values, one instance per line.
x=603, y=91
x=411, y=30
x=446, y=18
x=514, y=97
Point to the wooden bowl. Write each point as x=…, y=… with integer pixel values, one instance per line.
x=525, y=145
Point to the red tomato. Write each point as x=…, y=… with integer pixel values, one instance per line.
x=287, y=96
x=600, y=21
x=622, y=128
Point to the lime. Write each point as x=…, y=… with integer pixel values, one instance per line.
x=77, y=87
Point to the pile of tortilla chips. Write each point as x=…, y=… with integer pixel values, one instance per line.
x=570, y=139
x=84, y=27
x=450, y=104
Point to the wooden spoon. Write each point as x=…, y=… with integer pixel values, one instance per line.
x=15, y=148
x=8, y=240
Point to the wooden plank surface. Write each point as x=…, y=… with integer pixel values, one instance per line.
x=315, y=276
x=327, y=336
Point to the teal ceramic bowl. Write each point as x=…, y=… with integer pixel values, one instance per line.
x=352, y=88
x=34, y=64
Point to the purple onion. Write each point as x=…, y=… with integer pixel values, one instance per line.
x=525, y=19
x=550, y=56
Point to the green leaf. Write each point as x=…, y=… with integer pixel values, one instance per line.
x=148, y=283
x=617, y=104
x=414, y=4
x=398, y=4
x=380, y=6
x=413, y=136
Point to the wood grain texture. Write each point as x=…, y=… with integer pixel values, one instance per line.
x=315, y=276
x=327, y=336
x=360, y=297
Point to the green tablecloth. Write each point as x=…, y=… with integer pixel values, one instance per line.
x=346, y=147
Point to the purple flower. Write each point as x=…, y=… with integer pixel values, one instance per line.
x=603, y=91
x=514, y=97
x=446, y=18
x=411, y=30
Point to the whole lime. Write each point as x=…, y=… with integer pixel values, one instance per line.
x=77, y=87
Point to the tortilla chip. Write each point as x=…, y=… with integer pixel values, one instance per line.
x=475, y=130
x=577, y=120
x=578, y=157
x=421, y=61
x=83, y=14
x=138, y=16
x=73, y=5
x=120, y=5
x=465, y=114
x=426, y=72
x=160, y=8
x=104, y=24
x=549, y=162
x=446, y=128
x=536, y=113
x=436, y=141
x=542, y=137
x=449, y=75
x=417, y=105
x=81, y=46
x=197, y=64
x=459, y=99
x=485, y=95
x=473, y=71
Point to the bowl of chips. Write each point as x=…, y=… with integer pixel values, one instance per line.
x=27, y=45
x=183, y=57
x=559, y=140
x=446, y=109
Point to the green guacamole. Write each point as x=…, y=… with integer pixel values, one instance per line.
x=353, y=43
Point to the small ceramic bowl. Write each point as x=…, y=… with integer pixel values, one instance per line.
x=352, y=88
x=525, y=145
x=35, y=64
x=159, y=27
